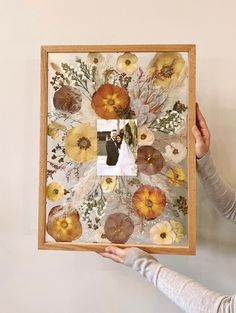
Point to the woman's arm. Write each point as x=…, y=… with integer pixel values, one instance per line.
x=189, y=295
x=219, y=192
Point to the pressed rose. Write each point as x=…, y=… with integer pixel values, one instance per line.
x=176, y=176
x=149, y=202
x=166, y=68
x=64, y=226
x=162, y=233
x=109, y=183
x=81, y=143
x=175, y=152
x=145, y=136
x=178, y=229
x=109, y=101
x=118, y=227
x=149, y=160
x=127, y=63
x=67, y=99
x=55, y=191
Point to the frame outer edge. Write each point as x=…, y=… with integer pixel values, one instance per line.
x=43, y=148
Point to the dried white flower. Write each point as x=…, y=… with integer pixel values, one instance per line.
x=175, y=152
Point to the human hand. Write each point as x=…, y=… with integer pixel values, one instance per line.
x=201, y=134
x=115, y=254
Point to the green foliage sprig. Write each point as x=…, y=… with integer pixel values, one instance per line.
x=59, y=80
x=95, y=203
x=77, y=78
x=119, y=79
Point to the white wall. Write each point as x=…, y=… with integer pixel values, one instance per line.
x=33, y=281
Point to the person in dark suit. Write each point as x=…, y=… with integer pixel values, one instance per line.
x=112, y=149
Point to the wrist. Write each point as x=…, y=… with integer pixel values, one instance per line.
x=200, y=155
x=204, y=160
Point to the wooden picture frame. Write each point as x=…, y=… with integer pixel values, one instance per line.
x=173, y=78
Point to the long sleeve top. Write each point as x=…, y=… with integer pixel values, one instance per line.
x=189, y=295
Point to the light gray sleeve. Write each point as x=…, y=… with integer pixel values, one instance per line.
x=219, y=192
x=189, y=295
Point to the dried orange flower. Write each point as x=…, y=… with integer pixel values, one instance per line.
x=64, y=226
x=109, y=100
x=149, y=202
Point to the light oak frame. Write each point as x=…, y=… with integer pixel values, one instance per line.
x=190, y=249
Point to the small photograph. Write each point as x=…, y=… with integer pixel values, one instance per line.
x=117, y=147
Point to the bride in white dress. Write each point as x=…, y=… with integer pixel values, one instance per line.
x=125, y=165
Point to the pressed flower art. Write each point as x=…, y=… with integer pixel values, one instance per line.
x=116, y=148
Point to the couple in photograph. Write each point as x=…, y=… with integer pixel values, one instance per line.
x=120, y=159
